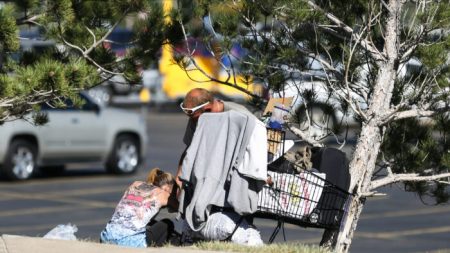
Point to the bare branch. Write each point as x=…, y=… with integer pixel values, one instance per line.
x=87, y=57
x=211, y=78
x=315, y=56
x=67, y=43
x=372, y=194
x=92, y=34
x=412, y=113
x=96, y=43
x=101, y=68
x=374, y=53
x=37, y=97
x=25, y=20
x=304, y=137
x=411, y=177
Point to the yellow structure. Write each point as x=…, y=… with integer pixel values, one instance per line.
x=144, y=95
x=177, y=81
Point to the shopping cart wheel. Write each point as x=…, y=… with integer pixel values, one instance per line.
x=314, y=216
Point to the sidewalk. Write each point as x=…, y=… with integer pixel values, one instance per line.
x=24, y=244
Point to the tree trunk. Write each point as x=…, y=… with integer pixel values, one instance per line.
x=361, y=169
x=364, y=158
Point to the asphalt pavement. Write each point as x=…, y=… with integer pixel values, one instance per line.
x=86, y=197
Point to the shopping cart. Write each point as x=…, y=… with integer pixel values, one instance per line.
x=298, y=196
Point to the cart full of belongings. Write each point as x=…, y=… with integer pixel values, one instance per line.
x=225, y=182
x=307, y=187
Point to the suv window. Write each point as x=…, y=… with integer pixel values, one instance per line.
x=88, y=105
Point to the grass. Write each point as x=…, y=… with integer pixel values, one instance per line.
x=276, y=247
x=233, y=247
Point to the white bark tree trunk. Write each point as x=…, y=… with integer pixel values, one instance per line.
x=363, y=162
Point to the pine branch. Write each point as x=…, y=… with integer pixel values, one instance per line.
x=31, y=99
x=347, y=96
x=367, y=45
x=95, y=44
x=313, y=55
x=37, y=97
x=410, y=177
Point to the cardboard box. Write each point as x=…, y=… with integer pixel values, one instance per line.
x=273, y=101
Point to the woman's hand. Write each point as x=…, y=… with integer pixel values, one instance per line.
x=163, y=193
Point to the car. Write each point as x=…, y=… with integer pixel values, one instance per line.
x=113, y=89
x=90, y=133
x=316, y=108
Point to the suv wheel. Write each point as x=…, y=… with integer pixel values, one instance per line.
x=124, y=158
x=20, y=162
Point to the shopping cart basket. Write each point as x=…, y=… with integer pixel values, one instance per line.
x=301, y=197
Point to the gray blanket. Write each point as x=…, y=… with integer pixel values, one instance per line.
x=209, y=166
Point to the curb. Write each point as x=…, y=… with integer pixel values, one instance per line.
x=3, y=248
x=25, y=244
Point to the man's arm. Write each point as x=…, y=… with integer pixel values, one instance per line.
x=180, y=163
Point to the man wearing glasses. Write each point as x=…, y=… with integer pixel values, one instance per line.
x=209, y=206
x=196, y=102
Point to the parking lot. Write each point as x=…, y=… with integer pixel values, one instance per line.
x=86, y=196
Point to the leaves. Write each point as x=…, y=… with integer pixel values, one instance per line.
x=6, y=86
x=60, y=12
x=75, y=47
x=412, y=147
x=8, y=30
x=433, y=56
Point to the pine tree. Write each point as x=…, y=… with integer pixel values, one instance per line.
x=81, y=58
x=364, y=50
x=385, y=61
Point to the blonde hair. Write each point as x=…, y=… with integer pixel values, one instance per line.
x=159, y=178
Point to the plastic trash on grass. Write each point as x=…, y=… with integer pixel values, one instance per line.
x=62, y=232
x=221, y=225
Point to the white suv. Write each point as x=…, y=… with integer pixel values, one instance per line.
x=321, y=116
x=91, y=133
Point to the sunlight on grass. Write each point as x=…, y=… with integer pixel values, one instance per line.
x=281, y=247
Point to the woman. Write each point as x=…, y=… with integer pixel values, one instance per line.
x=138, y=206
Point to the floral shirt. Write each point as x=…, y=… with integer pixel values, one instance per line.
x=136, y=208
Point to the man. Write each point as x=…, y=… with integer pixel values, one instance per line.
x=211, y=207
x=196, y=102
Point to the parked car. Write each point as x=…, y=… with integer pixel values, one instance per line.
x=318, y=109
x=116, y=86
x=92, y=133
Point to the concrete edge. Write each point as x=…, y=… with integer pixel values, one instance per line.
x=3, y=248
x=25, y=244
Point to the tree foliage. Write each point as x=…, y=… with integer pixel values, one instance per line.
x=81, y=57
x=386, y=63
x=342, y=44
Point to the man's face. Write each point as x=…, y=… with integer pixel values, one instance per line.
x=193, y=111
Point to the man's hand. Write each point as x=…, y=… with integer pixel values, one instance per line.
x=180, y=164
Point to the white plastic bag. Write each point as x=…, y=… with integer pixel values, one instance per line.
x=220, y=226
x=62, y=232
